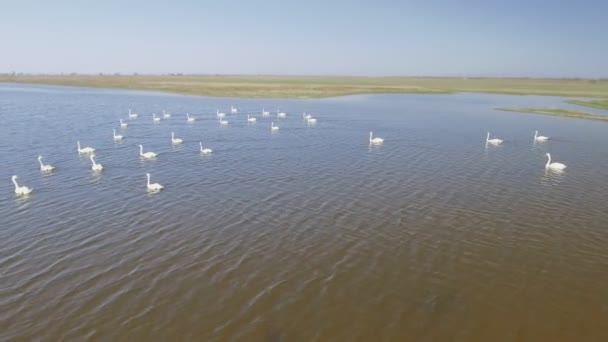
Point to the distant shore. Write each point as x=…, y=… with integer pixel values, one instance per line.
x=320, y=86
x=557, y=112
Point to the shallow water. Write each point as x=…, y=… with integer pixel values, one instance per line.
x=305, y=234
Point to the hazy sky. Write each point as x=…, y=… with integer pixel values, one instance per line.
x=536, y=38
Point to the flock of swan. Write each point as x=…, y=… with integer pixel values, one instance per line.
x=537, y=138
x=24, y=190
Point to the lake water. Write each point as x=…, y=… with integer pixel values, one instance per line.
x=306, y=234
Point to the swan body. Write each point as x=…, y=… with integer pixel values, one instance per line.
x=306, y=116
x=233, y=110
x=147, y=155
x=312, y=120
x=45, y=167
x=281, y=115
x=204, y=150
x=96, y=167
x=132, y=115
x=86, y=150
x=166, y=115
x=375, y=141
x=249, y=119
x=273, y=127
x=155, y=118
x=21, y=190
x=123, y=124
x=554, y=166
x=153, y=186
x=190, y=118
x=116, y=137
x=219, y=115
x=175, y=140
x=539, y=137
x=493, y=141
x=265, y=113
x=223, y=122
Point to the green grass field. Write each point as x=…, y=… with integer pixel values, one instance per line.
x=557, y=112
x=601, y=104
x=315, y=87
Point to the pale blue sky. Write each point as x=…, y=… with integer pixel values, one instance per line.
x=536, y=38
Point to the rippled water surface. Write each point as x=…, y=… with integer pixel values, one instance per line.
x=306, y=234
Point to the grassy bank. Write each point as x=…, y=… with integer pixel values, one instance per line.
x=601, y=104
x=557, y=112
x=315, y=87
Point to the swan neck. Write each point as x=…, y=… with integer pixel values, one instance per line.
x=548, y=160
x=15, y=182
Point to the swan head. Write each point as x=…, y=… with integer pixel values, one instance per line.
x=39, y=158
x=148, y=175
x=548, y=155
x=14, y=177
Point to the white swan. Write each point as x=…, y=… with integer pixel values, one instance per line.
x=123, y=124
x=45, y=167
x=265, y=113
x=174, y=140
x=375, y=141
x=116, y=137
x=251, y=119
x=493, y=141
x=554, y=166
x=281, y=115
x=306, y=116
x=166, y=115
x=273, y=127
x=233, y=110
x=85, y=150
x=204, y=150
x=223, y=122
x=190, y=118
x=96, y=167
x=21, y=190
x=219, y=115
x=153, y=186
x=132, y=115
x=312, y=120
x=154, y=118
x=147, y=155
x=539, y=137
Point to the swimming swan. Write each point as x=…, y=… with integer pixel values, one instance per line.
x=265, y=113
x=153, y=186
x=223, y=122
x=375, y=141
x=554, y=166
x=43, y=167
x=123, y=124
x=96, y=167
x=281, y=115
x=21, y=190
x=219, y=115
x=273, y=127
x=233, y=110
x=174, y=140
x=85, y=150
x=493, y=141
x=306, y=116
x=539, y=137
x=132, y=115
x=166, y=115
x=204, y=150
x=251, y=119
x=154, y=118
x=147, y=155
x=116, y=137
x=190, y=118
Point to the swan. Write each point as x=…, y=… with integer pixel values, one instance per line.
x=273, y=127
x=306, y=116
x=85, y=150
x=174, y=140
x=554, y=166
x=166, y=115
x=204, y=150
x=539, y=137
x=43, y=167
x=493, y=141
x=21, y=190
x=251, y=119
x=375, y=141
x=154, y=118
x=281, y=115
x=96, y=167
x=219, y=115
x=153, y=186
x=265, y=113
x=190, y=118
x=116, y=137
x=233, y=110
x=312, y=120
x=147, y=155
x=123, y=124
x=132, y=115
x=223, y=122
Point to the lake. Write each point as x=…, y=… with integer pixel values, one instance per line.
x=305, y=234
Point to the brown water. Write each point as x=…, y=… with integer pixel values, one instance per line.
x=303, y=235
